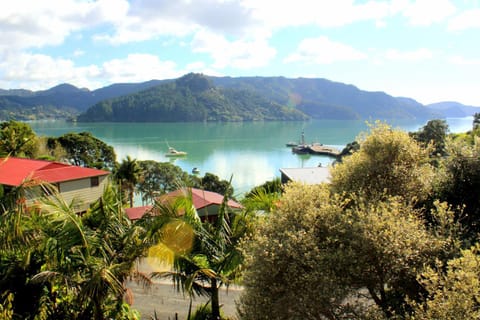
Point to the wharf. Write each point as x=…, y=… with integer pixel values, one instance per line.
x=316, y=149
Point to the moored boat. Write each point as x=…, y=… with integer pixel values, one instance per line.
x=172, y=152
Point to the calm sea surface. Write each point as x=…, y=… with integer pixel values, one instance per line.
x=251, y=153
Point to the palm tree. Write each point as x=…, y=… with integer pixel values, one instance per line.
x=214, y=259
x=128, y=175
x=88, y=258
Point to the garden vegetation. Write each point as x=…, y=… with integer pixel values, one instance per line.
x=393, y=235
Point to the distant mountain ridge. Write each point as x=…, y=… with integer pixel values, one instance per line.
x=314, y=97
x=453, y=109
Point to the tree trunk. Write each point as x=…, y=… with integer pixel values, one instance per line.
x=214, y=300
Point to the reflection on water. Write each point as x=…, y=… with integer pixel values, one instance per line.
x=251, y=153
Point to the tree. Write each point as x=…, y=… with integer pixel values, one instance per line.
x=55, y=264
x=50, y=150
x=318, y=250
x=205, y=255
x=476, y=121
x=128, y=174
x=85, y=150
x=389, y=163
x=458, y=183
x=211, y=182
x=435, y=132
x=17, y=139
x=264, y=197
x=454, y=293
x=159, y=178
x=87, y=259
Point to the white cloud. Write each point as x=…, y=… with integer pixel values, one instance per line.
x=324, y=51
x=416, y=55
x=37, y=71
x=138, y=67
x=426, y=12
x=459, y=60
x=148, y=19
x=242, y=54
x=27, y=24
x=279, y=14
x=466, y=20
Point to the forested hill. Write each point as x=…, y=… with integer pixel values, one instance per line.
x=192, y=97
x=196, y=97
x=325, y=99
x=223, y=98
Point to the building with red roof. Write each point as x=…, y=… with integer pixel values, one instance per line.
x=207, y=203
x=85, y=185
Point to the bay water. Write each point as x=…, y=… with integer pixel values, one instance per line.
x=248, y=152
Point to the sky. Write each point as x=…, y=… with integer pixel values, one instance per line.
x=428, y=50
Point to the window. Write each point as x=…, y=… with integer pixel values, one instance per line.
x=94, y=182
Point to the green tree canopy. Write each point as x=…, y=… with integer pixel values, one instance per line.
x=128, y=173
x=86, y=150
x=159, y=178
x=389, y=162
x=318, y=250
x=434, y=132
x=458, y=183
x=17, y=139
x=454, y=294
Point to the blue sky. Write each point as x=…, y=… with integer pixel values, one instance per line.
x=428, y=50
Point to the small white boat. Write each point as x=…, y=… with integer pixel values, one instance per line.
x=175, y=153
x=195, y=170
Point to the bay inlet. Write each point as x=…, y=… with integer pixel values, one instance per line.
x=248, y=152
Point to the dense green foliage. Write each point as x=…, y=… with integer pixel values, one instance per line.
x=159, y=178
x=17, y=139
x=127, y=174
x=58, y=265
x=190, y=98
x=389, y=163
x=434, y=132
x=318, y=249
x=84, y=150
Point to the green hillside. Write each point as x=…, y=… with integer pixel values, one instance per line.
x=192, y=97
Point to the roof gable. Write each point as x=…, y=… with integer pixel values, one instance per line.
x=200, y=199
x=14, y=171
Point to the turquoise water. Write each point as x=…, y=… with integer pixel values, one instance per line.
x=251, y=153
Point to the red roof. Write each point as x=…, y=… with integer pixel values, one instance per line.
x=202, y=198
x=14, y=171
x=137, y=212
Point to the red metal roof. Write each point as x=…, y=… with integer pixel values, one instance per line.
x=14, y=171
x=137, y=212
x=202, y=198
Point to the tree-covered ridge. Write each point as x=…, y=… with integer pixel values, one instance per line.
x=318, y=98
x=191, y=98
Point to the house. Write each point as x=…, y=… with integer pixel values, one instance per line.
x=207, y=203
x=312, y=175
x=85, y=185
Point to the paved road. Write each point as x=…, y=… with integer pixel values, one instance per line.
x=163, y=299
